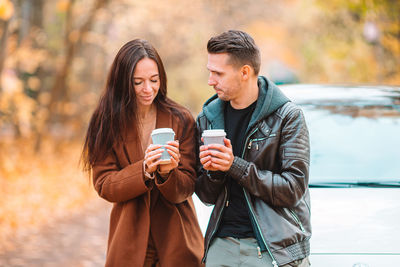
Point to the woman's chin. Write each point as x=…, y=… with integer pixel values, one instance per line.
x=146, y=102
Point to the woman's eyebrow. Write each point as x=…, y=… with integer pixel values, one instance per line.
x=154, y=75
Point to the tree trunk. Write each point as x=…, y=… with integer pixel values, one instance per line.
x=59, y=90
x=37, y=13
x=25, y=20
x=3, y=46
x=73, y=42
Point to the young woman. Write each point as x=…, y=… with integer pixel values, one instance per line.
x=153, y=221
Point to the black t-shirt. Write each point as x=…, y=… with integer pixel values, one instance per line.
x=235, y=219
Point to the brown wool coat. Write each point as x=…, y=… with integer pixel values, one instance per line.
x=164, y=209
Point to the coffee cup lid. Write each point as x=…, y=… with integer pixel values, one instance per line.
x=215, y=132
x=162, y=130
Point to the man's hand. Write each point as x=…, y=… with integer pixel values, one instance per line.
x=216, y=157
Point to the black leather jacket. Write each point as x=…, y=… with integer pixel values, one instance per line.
x=273, y=172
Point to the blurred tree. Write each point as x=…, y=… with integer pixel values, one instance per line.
x=3, y=44
x=353, y=41
x=6, y=12
x=56, y=54
x=72, y=42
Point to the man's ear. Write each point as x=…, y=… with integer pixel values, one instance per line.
x=245, y=72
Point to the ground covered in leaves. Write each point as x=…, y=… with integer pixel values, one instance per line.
x=49, y=213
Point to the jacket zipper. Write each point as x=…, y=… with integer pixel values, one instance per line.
x=250, y=143
x=258, y=139
x=216, y=225
x=255, y=140
x=274, y=262
x=294, y=215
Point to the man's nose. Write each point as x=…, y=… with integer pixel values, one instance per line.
x=211, y=80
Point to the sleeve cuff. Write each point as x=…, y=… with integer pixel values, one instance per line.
x=217, y=177
x=148, y=176
x=238, y=168
x=162, y=176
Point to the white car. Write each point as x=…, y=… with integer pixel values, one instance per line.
x=354, y=174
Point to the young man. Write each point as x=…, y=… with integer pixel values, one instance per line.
x=258, y=181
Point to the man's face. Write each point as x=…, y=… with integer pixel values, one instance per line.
x=224, y=77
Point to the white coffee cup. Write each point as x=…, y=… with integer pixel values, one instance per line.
x=215, y=136
x=162, y=136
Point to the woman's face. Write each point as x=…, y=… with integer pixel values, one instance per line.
x=146, y=82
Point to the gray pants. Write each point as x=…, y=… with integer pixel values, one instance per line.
x=232, y=252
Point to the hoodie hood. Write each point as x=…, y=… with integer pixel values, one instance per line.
x=270, y=98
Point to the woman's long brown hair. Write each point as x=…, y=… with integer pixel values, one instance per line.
x=117, y=108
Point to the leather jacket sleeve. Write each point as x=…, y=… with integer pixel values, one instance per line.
x=208, y=188
x=284, y=189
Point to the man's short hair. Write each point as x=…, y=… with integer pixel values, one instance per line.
x=239, y=45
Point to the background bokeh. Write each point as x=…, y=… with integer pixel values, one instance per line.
x=55, y=55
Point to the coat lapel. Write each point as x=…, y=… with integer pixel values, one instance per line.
x=164, y=119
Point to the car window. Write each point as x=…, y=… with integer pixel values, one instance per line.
x=353, y=143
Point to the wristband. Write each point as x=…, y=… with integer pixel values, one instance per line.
x=149, y=176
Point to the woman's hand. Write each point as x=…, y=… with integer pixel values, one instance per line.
x=173, y=149
x=152, y=158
